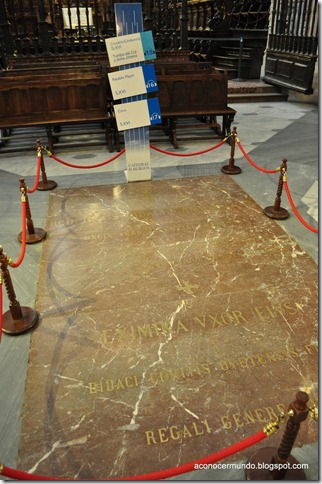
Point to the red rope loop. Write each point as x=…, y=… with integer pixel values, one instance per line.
x=189, y=154
x=86, y=166
x=295, y=209
x=152, y=476
x=34, y=188
x=23, y=235
x=252, y=162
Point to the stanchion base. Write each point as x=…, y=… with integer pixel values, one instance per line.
x=17, y=326
x=280, y=214
x=263, y=457
x=38, y=236
x=235, y=170
x=49, y=185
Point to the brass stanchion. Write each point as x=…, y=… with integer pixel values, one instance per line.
x=19, y=318
x=231, y=169
x=33, y=235
x=277, y=464
x=276, y=211
x=44, y=184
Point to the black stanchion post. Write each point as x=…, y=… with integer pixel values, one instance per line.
x=231, y=169
x=44, y=184
x=240, y=58
x=276, y=211
x=278, y=464
x=19, y=318
x=33, y=234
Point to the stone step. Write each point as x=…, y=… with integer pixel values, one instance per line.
x=253, y=91
x=248, y=97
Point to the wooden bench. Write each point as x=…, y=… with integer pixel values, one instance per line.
x=200, y=95
x=52, y=97
x=186, y=67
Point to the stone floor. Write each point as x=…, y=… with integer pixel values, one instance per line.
x=244, y=249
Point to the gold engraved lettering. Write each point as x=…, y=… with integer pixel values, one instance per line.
x=251, y=417
x=289, y=308
x=164, y=376
x=105, y=337
x=311, y=348
x=207, y=426
x=93, y=387
x=238, y=315
x=200, y=321
x=145, y=331
x=152, y=379
x=150, y=437
x=162, y=328
x=261, y=317
x=186, y=432
x=196, y=429
x=237, y=417
x=243, y=362
x=181, y=326
x=174, y=434
x=274, y=357
x=163, y=435
x=226, y=424
x=205, y=368
x=280, y=407
x=109, y=385
x=212, y=321
x=270, y=412
x=247, y=361
x=274, y=310
x=261, y=359
x=259, y=415
x=128, y=382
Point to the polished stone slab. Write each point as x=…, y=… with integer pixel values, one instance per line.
x=176, y=319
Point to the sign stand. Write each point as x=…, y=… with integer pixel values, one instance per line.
x=128, y=19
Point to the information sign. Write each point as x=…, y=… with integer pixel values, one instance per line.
x=127, y=49
x=136, y=114
x=133, y=81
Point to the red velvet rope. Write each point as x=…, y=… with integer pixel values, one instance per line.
x=23, y=235
x=295, y=209
x=153, y=476
x=251, y=161
x=34, y=188
x=88, y=166
x=188, y=154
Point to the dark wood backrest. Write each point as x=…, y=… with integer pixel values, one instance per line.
x=50, y=95
x=196, y=92
x=174, y=67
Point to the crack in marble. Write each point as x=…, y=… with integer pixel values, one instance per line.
x=184, y=408
x=159, y=360
x=58, y=444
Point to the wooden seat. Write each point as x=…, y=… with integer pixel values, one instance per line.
x=51, y=97
x=201, y=95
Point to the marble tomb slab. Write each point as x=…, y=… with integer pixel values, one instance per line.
x=176, y=319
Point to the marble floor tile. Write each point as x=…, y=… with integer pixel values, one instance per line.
x=201, y=296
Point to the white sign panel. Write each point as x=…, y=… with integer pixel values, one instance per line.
x=132, y=115
x=128, y=49
x=134, y=81
x=125, y=49
x=137, y=114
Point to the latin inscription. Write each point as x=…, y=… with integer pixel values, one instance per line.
x=206, y=321
x=179, y=374
x=237, y=420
